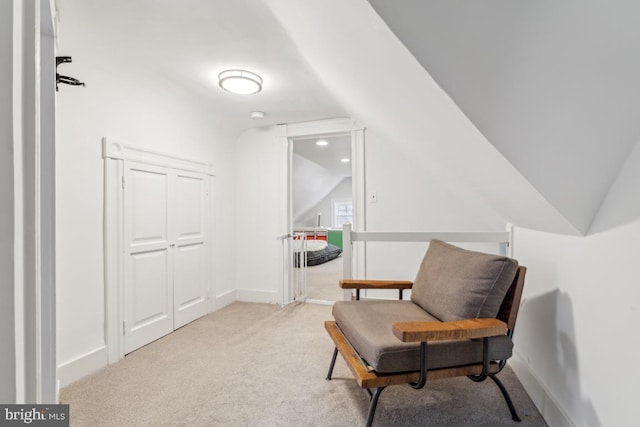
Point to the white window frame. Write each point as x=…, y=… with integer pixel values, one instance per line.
x=334, y=210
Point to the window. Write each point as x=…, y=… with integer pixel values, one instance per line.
x=342, y=212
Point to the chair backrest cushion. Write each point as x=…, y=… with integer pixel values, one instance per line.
x=455, y=283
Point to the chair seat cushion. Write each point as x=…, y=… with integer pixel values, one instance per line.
x=367, y=327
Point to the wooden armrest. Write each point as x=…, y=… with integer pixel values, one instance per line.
x=375, y=284
x=442, y=331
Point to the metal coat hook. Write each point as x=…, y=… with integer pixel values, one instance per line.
x=65, y=79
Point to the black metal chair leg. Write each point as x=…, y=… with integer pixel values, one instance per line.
x=373, y=404
x=333, y=363
x=507, y=398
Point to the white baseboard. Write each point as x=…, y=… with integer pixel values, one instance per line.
x=225, y=299
x=251, y=295
x=319, y=301
x=83, y=365
x=546, y=404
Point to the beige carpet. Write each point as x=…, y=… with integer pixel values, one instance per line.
x=322, y=281
x=259, y=365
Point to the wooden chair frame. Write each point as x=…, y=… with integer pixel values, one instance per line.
x=425, y=332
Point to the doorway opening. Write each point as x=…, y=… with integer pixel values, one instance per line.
x=321, y=202
x=316, y=204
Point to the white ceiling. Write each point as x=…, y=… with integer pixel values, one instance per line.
x=553, y=85
x=328, y=156
x=188, y=42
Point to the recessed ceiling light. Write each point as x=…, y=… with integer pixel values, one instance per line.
x=322, y=142
x=257, y=115
x=241, y=82
x=345, y=160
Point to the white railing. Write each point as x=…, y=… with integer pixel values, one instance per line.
x=294, y=267
x=299, y=246
x=349, y=237
x=285, y=275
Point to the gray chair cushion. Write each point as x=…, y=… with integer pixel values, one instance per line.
x=367, y=326
x=454, y=283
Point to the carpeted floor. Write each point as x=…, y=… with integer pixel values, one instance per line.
x=260, y=365
x=322, y=281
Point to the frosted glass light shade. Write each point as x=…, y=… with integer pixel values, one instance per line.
x=241, y=82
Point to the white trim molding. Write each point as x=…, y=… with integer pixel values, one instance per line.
x=254, y=295
x=323, y=127
x=225, y=299
x=285, y=135
x=83, y=365
x=551, y=411
x=113, y=149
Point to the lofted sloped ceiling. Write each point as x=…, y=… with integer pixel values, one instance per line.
x=553, y=85
x=529, y=107
x=380, y=83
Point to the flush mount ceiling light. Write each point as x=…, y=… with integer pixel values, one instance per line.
x=345, y=160
x=241, y=82
x=256, y=115
x=321, y=142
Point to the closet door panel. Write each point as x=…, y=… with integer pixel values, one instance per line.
x=148, y=264
x=190, y=255
x=148, y=306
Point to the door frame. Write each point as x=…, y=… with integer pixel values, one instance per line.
x=33, y=78
x=286, y=134
x=114, y=154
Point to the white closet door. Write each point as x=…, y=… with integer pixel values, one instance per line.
x=148, y=264
x=190, y=261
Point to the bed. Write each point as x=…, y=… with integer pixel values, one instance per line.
x=318, y=251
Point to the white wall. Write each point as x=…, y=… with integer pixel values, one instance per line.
x=259, y=163
x=132, y=106
x=324, y=207
x=576, y=334
x=410, y=198
x=310, y=184
x=413, y=197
